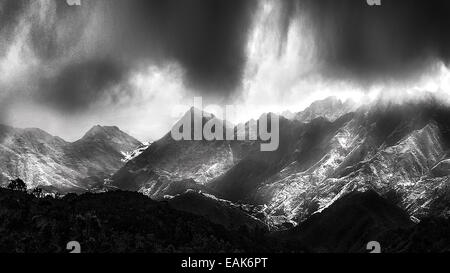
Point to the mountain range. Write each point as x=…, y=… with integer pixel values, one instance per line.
x=399, y=150
x=387, y=163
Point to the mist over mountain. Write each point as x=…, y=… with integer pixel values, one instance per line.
x=110, y=62
x=330, y=108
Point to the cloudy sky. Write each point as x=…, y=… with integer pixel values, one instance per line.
x=130, y=63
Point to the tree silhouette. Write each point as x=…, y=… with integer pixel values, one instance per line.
x=37, y=192
x=17, y=185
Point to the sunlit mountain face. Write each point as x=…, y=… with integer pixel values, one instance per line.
x=358, y=94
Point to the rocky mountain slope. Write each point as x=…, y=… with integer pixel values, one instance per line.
x=379, y=172
x=166, y=162
x=393, y=149
x=43, y=160
x=399, y=150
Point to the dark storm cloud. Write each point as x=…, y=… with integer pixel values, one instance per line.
x=288, y=12
x=78, y=85
x=54, y=37
x=10, y=11
x=396, y=39
x=207, y=38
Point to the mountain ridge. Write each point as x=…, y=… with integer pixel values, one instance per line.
x=384, y=146
x=47, y=161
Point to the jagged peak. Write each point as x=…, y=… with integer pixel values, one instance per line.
x=194, y=113
x=330, y=108
x=99, y=131
x=326, y=101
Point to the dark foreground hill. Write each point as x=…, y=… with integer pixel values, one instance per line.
x=350, y=223
x=113, y=222
x=127, y=222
